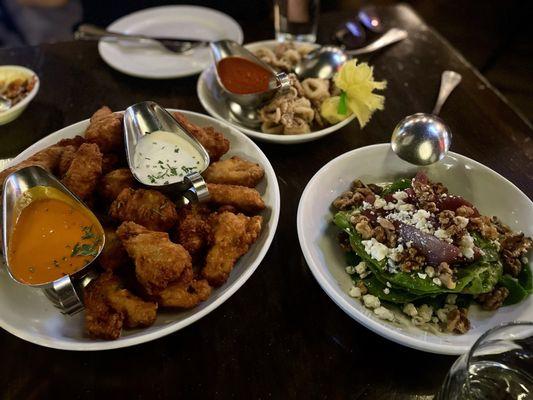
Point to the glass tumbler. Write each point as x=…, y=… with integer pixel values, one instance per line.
x=296, y=19
x=499, y=366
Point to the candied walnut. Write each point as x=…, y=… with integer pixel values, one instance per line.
x=362, y=287
x=445, y=218
x=347, y=200
x=438, y=188
x=457, y=321
x=485, y=227
x=465, y=211
x=363, y=227
x=411, y=259
x=379, y=234
x=358, y=183
x=386, y=224
x=493, y=300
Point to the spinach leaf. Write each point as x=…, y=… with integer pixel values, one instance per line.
x=516, y=292
x=400, y=184
x=398, y=296
x=525, y=278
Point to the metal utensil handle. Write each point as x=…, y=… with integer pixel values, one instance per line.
x=391, y=36
x=199, y=192
x=92, y=32
x=449, y=80
x=64, y=296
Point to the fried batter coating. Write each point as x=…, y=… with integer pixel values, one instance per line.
x=65, y=160
x=101, y=321
x=136, y=311
x=148, y=208
x=158, y=261
x=193, y=229
x=84, y=171
x=105, y=129
x=111, y=161
x=184, y=295
x=242, y=198
x=114, y=182
x=232, y=236
x=214, y=142
x=234, y=171
x=113, y=254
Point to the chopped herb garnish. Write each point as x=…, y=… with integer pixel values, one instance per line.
x=84, y=250
x=176, y=150
x=87, y=232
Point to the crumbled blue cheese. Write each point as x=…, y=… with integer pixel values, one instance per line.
x=379, y=202
x=371, y=301
x=360, y=268
x=410, y=309
x=395, y=253
x=400, y=196
x=443, y=235
x=386, y=290
x=384, y=313
x=422, y=276
x=437, y=281
x=430, y=271
x=467, y=246
x=355, y=292
x=461, y=222
x=375, y=249
x=350, y=270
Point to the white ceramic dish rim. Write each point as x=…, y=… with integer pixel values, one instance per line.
x=268, y=137
x=26, y=100
x=382, y=328
x=176, y=326
x=118, y=66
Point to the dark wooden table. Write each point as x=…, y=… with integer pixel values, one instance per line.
x=279, y=336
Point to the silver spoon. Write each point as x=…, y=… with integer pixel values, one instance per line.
x=326, y=60
x=424, y=139
x=5, y=103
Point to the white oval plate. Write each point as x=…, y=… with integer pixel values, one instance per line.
x=167, y=21
x=490, y=192
x=27, y=313
x=215, y=104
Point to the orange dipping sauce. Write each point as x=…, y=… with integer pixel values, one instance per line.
x=52, y=238
x=242, y=76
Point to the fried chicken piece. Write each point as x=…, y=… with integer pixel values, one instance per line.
x=105, y=129
x=234, y=171
x=158, y=261
x=136, y=311
x=101, y=321
x=113, y=254
x=148, y=208
x=214, y=142
x=84, y=171
x=193, y=229
x=111, y=161
x=66, y=159
x=232, y=235
x=242, y=198
x=115, y=182
x=184, y=295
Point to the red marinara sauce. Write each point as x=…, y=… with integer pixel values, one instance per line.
x=242, y=76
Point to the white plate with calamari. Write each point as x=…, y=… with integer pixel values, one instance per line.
x=213, y=100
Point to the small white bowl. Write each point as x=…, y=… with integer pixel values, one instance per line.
x=490, y=192
x=17, y=71
x=216, y=105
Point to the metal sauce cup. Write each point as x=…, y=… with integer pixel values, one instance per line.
x=62, y=292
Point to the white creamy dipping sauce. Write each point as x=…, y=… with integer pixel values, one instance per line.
x=162, y=158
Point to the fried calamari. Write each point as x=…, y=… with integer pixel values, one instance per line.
x=234, y=171
x=105, y=129
x=113, y=255
x=115, y=182
x=148, y=208
x=193, y=228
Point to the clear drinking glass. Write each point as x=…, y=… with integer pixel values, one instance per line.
x=296, y=19
x=499, y=366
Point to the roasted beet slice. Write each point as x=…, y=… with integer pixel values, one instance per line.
x=452, y=203
x=435, y=250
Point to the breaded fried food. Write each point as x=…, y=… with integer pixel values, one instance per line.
x=114, y=182
x=113, y=255
x=101, y=321
x=148, y=208
x=214, y=142
x=193, y=229
x=105, y=129
x=158, y=261
x=244, y=199
x=234, y=171
x=232, y=235
x=136, y=311
x=84, y=170
x=184, y=294
x=112, y=161
x=65, y=160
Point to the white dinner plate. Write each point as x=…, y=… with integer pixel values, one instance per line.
x=491, y=193
x=28, y=314
x=167, y=21
x=215, y=104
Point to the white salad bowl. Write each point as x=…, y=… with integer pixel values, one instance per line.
x=214, y=102
x=491, y=193
x=28, y=314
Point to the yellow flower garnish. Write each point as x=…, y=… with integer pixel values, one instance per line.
x=330, y=110
x=357, y=81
